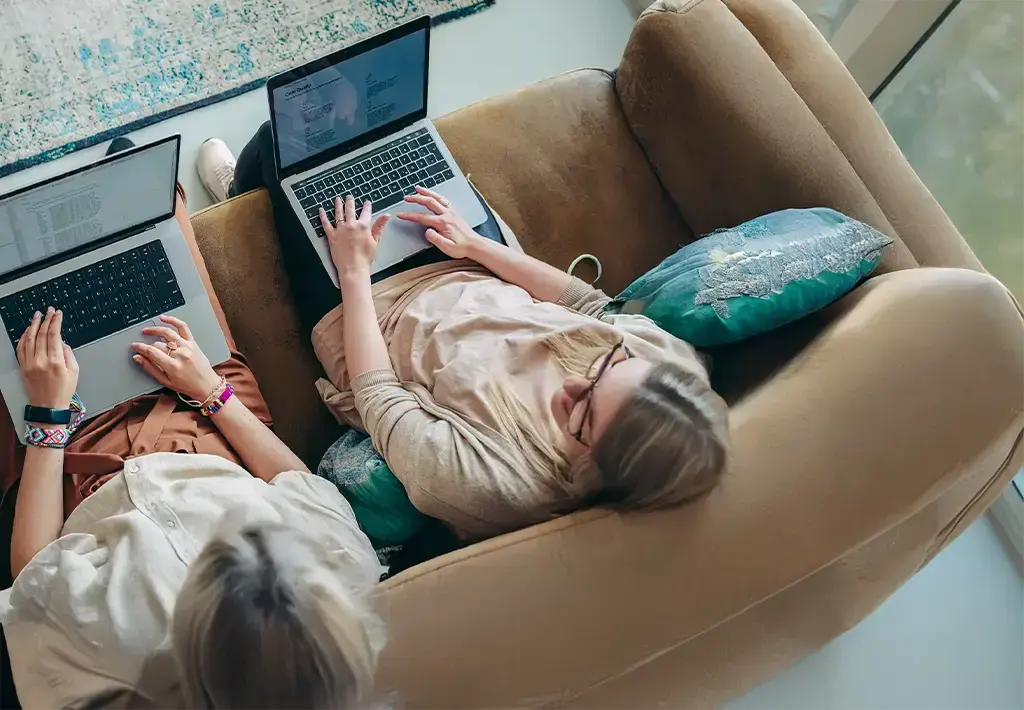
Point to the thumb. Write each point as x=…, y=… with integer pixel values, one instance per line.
x=437, y=239
x=378, y=226
x=152, y=370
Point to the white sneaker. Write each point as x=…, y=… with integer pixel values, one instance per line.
x=216, y=167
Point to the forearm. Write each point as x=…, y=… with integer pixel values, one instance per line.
x=542, y=281
x=365, y=348
x=39, y=512
x=262, y=453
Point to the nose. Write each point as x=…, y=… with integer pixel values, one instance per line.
x=574, y=386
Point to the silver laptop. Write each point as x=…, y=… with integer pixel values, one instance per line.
x=355, y=123
x=101, y=244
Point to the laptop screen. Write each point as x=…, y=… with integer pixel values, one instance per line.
x=86, y=206
x=344, y=101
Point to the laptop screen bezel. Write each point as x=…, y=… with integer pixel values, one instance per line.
x=324, y=156
x=103, y=241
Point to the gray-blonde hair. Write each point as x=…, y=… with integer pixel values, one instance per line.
x=261, y=622
x=668, y=443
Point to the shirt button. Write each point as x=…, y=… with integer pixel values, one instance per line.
x=170, y=523
x=134, y=468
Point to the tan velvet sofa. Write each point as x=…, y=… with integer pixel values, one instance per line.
x=865, y=437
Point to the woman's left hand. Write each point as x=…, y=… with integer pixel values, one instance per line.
x=176, y=361
x=352, y=240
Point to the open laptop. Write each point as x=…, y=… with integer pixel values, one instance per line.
x=101, y=244
x=355, y=123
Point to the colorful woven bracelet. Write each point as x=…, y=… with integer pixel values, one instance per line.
x=46, y=438
x=77, y=413
x=216, y=401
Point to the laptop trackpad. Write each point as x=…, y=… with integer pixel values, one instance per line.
x=107, y=374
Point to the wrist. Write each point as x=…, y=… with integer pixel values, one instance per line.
x=204, y=388
x=353, y=277
x=476, y=247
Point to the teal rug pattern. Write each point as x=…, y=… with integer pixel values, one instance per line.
x=77, y=72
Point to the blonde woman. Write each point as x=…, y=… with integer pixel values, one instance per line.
x=184, y=580
x=173, y=557
x=494, y=385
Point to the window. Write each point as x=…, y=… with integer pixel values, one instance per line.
x=956, y=109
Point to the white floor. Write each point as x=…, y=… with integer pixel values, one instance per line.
x=952, y=638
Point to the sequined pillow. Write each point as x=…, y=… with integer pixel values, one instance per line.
x=736, y=283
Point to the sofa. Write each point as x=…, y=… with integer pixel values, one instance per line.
x=865, y=437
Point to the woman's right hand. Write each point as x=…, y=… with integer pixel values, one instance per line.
x=446, y=228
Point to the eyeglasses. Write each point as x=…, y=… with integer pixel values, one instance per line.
x=585, y=397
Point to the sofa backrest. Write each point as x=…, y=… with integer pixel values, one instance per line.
x=559, y=163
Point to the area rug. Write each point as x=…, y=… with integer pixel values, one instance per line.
x=77, y=72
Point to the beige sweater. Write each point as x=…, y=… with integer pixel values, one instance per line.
x=452, y=329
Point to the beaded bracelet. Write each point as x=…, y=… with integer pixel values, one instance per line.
x=214, y=401
x=218, y=401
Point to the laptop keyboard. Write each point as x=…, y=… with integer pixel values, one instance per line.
x=383, y=176
x=102, y=298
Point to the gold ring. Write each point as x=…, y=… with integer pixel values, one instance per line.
x=172, y=345
x=445, y=202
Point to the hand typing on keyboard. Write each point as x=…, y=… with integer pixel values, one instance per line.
x=176, y=361
x=446, y=228
x=48, y=367
x=353, y=240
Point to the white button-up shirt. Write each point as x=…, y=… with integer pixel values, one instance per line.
x=92, y=609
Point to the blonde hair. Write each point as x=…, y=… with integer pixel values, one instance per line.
x=668, y=443
x=261, y=622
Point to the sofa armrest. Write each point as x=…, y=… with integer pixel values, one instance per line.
x=819, y=77
x=917, y=384
x=728, y=135
x=240, y=248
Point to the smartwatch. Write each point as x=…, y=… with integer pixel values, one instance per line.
x=45, y=415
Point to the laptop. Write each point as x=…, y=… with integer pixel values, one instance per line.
x=355, y=123
x=101, y=244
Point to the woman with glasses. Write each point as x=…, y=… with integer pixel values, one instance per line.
x=498, y=391
x=493, y=384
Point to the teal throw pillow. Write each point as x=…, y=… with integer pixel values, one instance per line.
x=379, y=501
x=736, y=283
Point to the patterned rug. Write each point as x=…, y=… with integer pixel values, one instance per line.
x=77, y=72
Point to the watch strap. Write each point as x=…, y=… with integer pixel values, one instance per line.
x=45, y=415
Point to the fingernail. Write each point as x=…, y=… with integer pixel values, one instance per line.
x=137, y=358
x=49, y=309
x=36, y=315
x=60, y=312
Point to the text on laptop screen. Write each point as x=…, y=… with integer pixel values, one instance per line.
x=78, y=209
x=337, y=104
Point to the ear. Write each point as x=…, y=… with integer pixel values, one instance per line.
x=581, y=476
